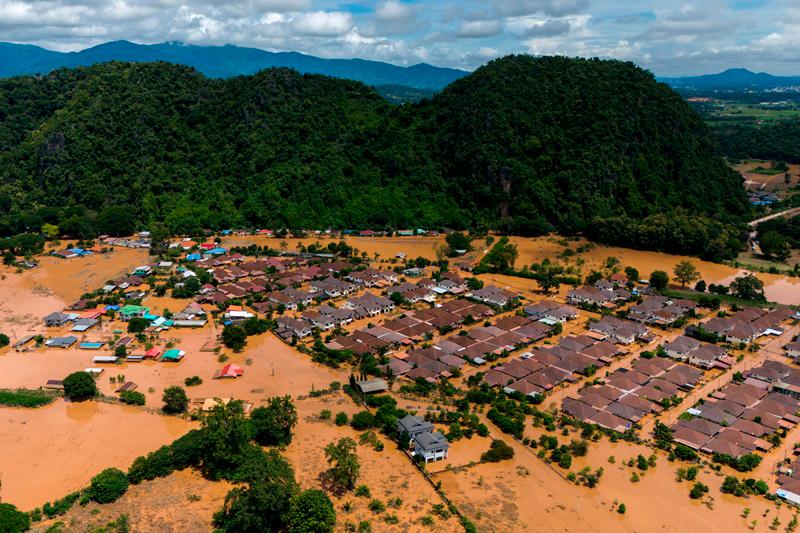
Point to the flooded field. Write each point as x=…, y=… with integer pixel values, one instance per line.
x=51, y=451
x=512, y=495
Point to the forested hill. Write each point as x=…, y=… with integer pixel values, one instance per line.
x=524, y=144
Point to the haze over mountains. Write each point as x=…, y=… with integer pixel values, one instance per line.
x=228, y=61
x=734, y=78
x=224, y=62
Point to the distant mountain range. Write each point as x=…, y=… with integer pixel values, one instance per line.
x=224, y=62
x=734, y=78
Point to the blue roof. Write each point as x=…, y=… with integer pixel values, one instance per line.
x=227, y=231
x=217, y=251
x=193, y=257
x=112, y=308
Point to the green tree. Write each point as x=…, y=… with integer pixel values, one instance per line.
x=659, y=280
x=138, y=324
x=226, y=440
x=500, y=258
x=132, y=397
x=80, y=386
x=345, y=467
x=108, y=486
x=4, y=340
x=457, y=241
x=50, y=231
x=748, y=287
x=775, y=245
x=686, y=272
x=13, y=520
x=175, y=400
x=234, y=337
x=312, y=512
x=632, y=274
x=273, y=423
x=263, y=503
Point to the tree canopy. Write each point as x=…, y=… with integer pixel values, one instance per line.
x=524, y=144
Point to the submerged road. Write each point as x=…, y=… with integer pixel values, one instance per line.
x=789, y=212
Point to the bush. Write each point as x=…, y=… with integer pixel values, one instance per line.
x=498, y=451
x=363, y=491
x=193, y=381
x=325, y=414
x=108, y=485
x=25, y=398
x=685, y=453
x=341, y=419
x=80, y=386
x=362, y=420
x=579, y=448
x=621, y=508
x=13, y=520
x=4, y=340
x=132, y=397
x=311, y=511
x=698, y=490
x=376, y=506
x=175, y=400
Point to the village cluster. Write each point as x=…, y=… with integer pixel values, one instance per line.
x=621, y=351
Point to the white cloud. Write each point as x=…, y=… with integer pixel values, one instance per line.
x=323, y=23
x=392, y=10
x=480, y=28
x=553, y=8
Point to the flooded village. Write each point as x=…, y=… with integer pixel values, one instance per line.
x=608, y=399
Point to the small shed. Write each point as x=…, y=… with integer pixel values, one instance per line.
x=371, y=386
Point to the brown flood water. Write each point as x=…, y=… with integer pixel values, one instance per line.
x=53, y=450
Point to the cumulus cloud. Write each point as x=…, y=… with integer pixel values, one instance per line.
x=549, y=28
x=323, y=23
x=392, y=10
x=671, y=38
x=480, y=28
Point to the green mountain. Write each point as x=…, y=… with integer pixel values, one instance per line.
x=523, y=144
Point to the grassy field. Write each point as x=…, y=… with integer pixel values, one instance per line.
x=743, y=113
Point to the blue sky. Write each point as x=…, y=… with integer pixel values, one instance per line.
x=668, y=37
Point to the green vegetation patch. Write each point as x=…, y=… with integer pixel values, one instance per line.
x=26, y=397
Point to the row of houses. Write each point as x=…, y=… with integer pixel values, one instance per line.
x=748, y=324
x=620, y=331
x=542, y=369
x=628, y=395
x=660, y=310
x=604, y=293
x=695, y=352
x=738, y=418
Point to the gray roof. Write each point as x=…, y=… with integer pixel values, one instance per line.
x=412, y=424
x=431, y=440
x=372, y=385
x=69, y=340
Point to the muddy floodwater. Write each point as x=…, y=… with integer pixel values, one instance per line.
x=51, y=451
